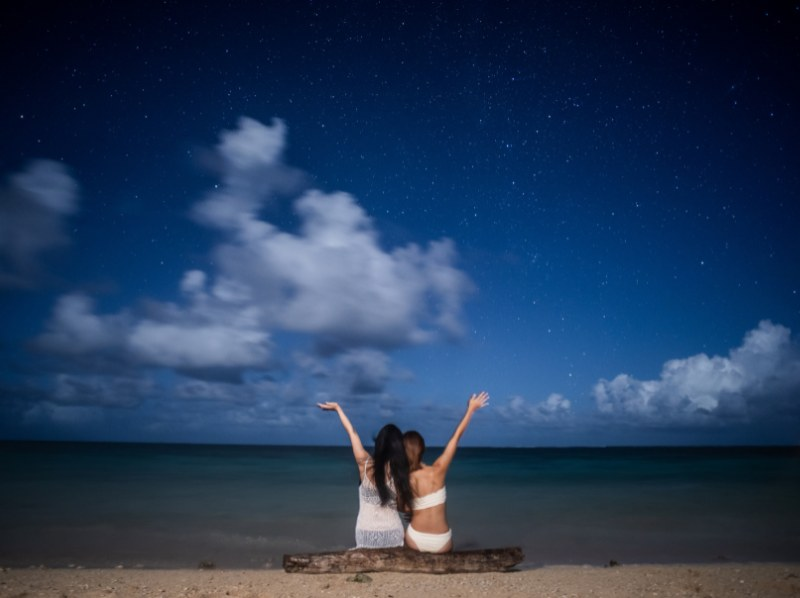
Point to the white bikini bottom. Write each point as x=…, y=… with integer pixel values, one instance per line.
x=429, y=542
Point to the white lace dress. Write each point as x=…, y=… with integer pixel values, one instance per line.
x=377, y=526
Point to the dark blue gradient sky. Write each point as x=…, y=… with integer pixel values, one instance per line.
x=213, y=216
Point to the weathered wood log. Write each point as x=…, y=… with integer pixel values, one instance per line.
x=404, y=560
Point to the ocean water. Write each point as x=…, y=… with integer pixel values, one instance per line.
x=92, y=504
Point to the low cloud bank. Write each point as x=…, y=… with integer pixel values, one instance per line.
x=554, y=409
x=758, y=379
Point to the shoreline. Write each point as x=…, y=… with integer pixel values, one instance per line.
x=273, y=564
x=701, y=580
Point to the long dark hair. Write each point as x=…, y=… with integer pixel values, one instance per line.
x=389, y=450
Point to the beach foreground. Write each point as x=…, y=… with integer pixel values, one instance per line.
x=556, y=581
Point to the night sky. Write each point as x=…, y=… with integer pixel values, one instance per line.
x=214, y=215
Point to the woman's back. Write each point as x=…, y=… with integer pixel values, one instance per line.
x=429, y=511
x=384, y=484
x=378, y=525
x=428, y=530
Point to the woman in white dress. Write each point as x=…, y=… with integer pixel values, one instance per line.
x=384, y=487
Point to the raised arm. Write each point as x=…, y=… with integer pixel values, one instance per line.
x=359, y=452
x=476, y=401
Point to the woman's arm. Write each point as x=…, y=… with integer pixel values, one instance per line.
x=476, y=401
x=359, y=452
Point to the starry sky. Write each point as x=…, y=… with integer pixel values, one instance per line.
x=214, y=215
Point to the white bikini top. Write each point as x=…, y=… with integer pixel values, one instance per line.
x=430, y=500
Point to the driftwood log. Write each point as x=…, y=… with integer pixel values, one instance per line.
x=404, y=560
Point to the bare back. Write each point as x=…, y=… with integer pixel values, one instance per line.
x=429, y=511
x=424, y=481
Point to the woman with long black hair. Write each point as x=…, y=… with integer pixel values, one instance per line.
x=384, y=487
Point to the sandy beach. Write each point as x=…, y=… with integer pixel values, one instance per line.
x=705, y=581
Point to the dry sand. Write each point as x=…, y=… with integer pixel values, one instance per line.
x=701, y=581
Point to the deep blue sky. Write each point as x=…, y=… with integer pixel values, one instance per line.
x=213, y=216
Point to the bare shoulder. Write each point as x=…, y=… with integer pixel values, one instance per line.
x=439, y=467
x=364, y=466
x=434, y=473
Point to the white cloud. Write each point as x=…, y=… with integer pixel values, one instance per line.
x=200, y=336
x=760, y=376
x=33, y=209
x=253, y=144
x=252, y=175
x=554, y=408
x=330, y=281
x=335, y=281
x=74, y=329
x=198, y=345
x=193, y=282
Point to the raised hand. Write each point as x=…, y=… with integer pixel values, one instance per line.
x=478, y=401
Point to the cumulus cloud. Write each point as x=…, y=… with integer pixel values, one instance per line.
x=33, y=210
x=198, y=336
x=252, y=173
x=194, y=345
x=334, y=281
x=329, y=281
x=553, y=409
x=759, y=377
x=74, y=329
x=253, y=145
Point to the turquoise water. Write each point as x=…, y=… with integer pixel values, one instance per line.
x=176, y=505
